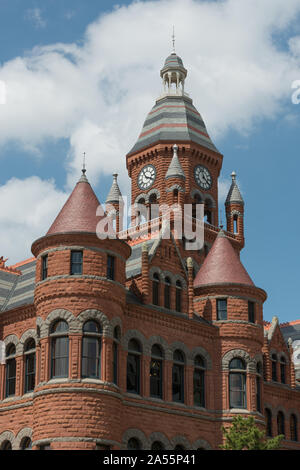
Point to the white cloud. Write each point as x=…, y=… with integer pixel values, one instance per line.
x=28, y=208
x=97, y=93
x=35, y=16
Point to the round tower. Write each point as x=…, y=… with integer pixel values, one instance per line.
x=226, y=296
x=79, y=299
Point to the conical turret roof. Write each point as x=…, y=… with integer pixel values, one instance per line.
x=79, y=212
x=222, y=265
x=175, y=169
x=114, y=194
x=234, y=195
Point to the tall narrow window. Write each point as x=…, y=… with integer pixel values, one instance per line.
x=274, y=367
x=153, y=207
x=197, y=200
x=293, y=427
x=258, y=386
x=157, y=445
x=199, y=381
x=133, y=444
x=44, y=267
x=26, y=444
x=237, y=384
x=155, y=289
x=10, y=371
x=156, y=370
x=167, y=292
x=6, y=445
x=280, y=423
x=76, y=262
x=91, y=350
x=29, y=354
x=235, y=223
x=251, y=312
x=268, y=422
x=282, y=370
x=133, y=367
x=175, y=196
x=178, y=298
x=178, y=377
x=117, y=336
x=110, y=267
x=221, y=309
x=59, y=349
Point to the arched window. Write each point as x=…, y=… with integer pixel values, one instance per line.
x=91, y=350
x=179, y=447
x=274, y=367
x=280, y=423
x=199, y=381
x=178, y=376
x=29, y=353
x=282, y=370
x=258, y=386
x=197, y=200
x=133, y=444
x=268, y=415
x=117, y=337
x=175, y=196
x=156, y=371
x=157, y=445
x=133, y=366
x=178, y=296
x=26, y=444
x=141, y=212
x=167, y=292
x=59, y=349
x=208, y=211
x=10, y=371
x=155, y=289
x=235, y=223
x=237, y=384
x=153, y=212
x=294, y=427
x=6, y=445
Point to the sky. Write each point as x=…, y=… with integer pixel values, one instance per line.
x=82, y=76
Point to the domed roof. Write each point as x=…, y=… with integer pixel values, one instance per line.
x=79, y=212
x=173, y=61
x=173, y=118
x=222, y=265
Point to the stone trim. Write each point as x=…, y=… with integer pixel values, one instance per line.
x=31, y=333
x=7, y=436
x=11, y=339
x=201, y=443
x=175, y=186
x=81, y=247
x=196, y=191
x=80, y=276
x=137, y=434
x=163, y=274
x=134, y=334
x=202, y=352
x=25, y=432
x=51, y=391
x=93, y=314
x=76, y=439
x=237, y=353
x=153, y=191
x=59, y=314
x=182, y=347
x=180, y=440
x=159, y=436
x=155, y=339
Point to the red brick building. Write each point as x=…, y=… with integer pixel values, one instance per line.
x=143, y=341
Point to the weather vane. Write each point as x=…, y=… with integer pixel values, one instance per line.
x=173, y=39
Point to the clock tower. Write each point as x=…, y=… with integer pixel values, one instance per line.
x=174, y=120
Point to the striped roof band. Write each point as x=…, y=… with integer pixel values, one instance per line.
x=173, y=118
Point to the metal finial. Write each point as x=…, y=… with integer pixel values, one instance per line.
x=173, y=39
x=83, y=164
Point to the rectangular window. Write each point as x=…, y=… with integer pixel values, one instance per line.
x=44, y=267
x=251, y=312
x=221, y=309
x=76, y=262
x=110, y=267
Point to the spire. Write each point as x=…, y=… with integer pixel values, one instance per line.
x=79, y=212
x=173, y=72
x=234, y=196
x=222, y=265
x=175, y=169
x=173, y=40
x=114, y=194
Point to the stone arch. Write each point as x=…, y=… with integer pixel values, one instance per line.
x=12, y=339
x=31, y=333
x=158, y=436
x=175, y=186
x=201, y=443
x=134, y=334
x=177, y=277
x=196, y=191
x=183, y=348
x=93, y=314
x=170, y=275
x=180, y=440
x=155, y=339
x=115, y=321
x=153, y=191
x=137, y=434
x=284, y=355
x=293, y=411
x=156, y=269
x=236, y=353
x=141, y=196
x=25, y=432
x=202, y=352
x=60, y=314
x=7, y=436
x=211, y=200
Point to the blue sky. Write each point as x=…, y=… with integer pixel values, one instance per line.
x=81, y=76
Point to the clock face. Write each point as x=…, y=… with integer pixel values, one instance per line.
x=202, y=177
x=146, y=176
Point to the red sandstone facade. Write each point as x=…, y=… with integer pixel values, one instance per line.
x=182, y=345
